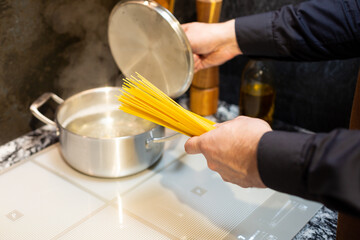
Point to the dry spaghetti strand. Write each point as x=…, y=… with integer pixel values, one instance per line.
x=141, y=98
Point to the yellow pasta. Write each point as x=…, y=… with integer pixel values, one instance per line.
x=141, y=98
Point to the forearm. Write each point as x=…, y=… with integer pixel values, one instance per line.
x=320, y=167
x=312, y=30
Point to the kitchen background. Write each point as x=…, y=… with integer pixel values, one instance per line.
x=61, y=46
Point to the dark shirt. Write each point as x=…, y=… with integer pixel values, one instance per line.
x=320, y=167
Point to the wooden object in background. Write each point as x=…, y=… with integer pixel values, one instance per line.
x=208, y=10
x=204, y=92
x=207, y=78
x=204, y=101
x=168, y=4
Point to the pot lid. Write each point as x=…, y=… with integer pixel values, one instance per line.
x=146, y=38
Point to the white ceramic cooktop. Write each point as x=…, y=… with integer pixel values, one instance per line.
x=178, y=198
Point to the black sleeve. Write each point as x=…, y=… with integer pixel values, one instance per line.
x=312, y=30
x=319, y=167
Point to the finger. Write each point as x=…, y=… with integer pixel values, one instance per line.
x=197, y=63
x=221, y=124
x=192, y=146
x=197, y=59
x=185, y=26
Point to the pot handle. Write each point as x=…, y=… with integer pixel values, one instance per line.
x=34, y=108
x=161, y=139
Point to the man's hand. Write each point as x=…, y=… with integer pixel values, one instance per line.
x=212, y=43
x=231, y=150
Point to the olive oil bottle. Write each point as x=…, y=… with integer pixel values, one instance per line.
x=257, y=93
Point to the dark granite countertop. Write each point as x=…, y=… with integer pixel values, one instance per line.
x=321, y=226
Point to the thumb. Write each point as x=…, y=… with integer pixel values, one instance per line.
x=197, y=63
x=185, y=26
x=192, y=145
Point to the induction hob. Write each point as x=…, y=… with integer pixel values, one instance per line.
x=178, y=198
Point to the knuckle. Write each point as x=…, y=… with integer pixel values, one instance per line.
x=225, y=179
x=204, y=147
x=211, y=165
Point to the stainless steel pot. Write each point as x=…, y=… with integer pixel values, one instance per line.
x=98, y=139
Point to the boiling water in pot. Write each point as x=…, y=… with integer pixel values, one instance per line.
x=109, y=124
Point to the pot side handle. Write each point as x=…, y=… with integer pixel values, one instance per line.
x=161, y=139
x=34, y=107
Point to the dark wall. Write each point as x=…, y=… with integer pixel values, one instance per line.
x=61, y=46
x=58, y=46
x=318, y=95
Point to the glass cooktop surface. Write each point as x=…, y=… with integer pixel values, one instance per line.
x=177, y=198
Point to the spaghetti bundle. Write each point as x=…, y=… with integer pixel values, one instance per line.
x=142, y=99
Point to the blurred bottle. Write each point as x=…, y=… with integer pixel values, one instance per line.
x=257, y=92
